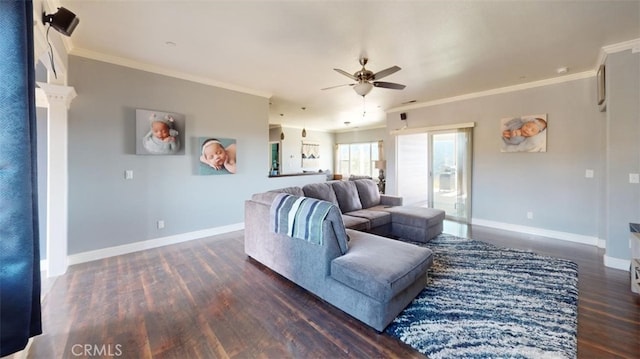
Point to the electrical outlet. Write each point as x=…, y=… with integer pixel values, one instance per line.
x=529, y=215
x=160, y=224
x=588, y=174
x=128, y=174
x=634, y=178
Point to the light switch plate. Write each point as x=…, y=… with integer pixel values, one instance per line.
x=634, y=178
x=588, y=174
x=128, y=174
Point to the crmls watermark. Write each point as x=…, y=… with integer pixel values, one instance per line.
x=97, y=350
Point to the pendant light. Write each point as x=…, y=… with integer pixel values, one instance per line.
x=281, y=131
x=304, y=130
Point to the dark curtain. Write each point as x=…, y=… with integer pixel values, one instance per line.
x=20, y=316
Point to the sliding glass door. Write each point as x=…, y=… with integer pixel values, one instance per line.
x=434, y=170
x=450, y=165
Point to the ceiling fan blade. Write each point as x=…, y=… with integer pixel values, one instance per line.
x=346, y=74
x=386, y=72
x=388, y=85
x=332, y=87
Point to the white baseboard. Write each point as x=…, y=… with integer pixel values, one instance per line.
x=565, y=236
x=611, y=262
x=151, y=243
x=617, y=263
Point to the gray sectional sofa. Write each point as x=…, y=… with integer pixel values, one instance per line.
x=364, y=208
x=371, y=277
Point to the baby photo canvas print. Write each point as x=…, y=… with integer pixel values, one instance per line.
x=159, y=133
x=217, y=155
x=524, y=134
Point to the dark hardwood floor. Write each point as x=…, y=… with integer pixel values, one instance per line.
x=206, y=299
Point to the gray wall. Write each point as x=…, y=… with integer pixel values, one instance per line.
x=505, y=186
x=622, y=149
x=106, y=210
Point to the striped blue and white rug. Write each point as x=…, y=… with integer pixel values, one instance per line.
x=488, y=302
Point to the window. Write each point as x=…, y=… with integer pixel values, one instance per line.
x=357, y=159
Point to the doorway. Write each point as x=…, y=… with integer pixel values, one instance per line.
x=434, y=169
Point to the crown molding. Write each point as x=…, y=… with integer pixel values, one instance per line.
x=115, y=60
x=633, y=45
x=501, y=90
x=622, y=46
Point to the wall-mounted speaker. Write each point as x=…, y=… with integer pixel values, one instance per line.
x=403, y=116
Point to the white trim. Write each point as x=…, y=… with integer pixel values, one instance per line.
x=55, y=92
x=617, y=263
x=409, y=131
x=151, y=243
x=163, y=71
x=621, y=46
x=501, y=90
x=602, y=243
x=41, y=98
x=633, y=45
x=565, y=236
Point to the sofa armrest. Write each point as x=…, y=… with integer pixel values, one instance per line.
x=389, y=200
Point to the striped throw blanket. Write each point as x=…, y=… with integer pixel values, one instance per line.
x=299, y=217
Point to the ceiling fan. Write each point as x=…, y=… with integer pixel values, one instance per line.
x=367, y=80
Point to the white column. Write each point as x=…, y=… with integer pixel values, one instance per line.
x=59, y=98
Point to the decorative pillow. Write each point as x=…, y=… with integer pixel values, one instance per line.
x=347, y=195
x=322, y=191
x=369, y=192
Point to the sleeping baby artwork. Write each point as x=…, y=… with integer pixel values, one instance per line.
x=524, y=134
x=217, y=155
x=159, y=133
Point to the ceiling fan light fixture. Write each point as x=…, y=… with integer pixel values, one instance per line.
x=363, y=88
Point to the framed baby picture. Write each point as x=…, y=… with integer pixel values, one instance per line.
x=217, y=156
x=524, y=134
x=159, y=133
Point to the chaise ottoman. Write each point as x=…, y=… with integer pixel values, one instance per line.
x=418, y=224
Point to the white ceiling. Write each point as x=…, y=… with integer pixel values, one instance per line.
x=286, y=50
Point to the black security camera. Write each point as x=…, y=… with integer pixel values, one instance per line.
x=64, y=21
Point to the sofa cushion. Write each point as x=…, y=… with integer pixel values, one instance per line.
x=357, y=223
x=380, y=267
x=322, y=191
x=347, y=195
x=375, y=218
x=368, y=192
x=265, y=197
